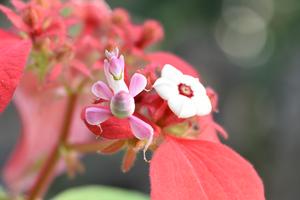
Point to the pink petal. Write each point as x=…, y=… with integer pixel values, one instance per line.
x=141, y=130
x=96, y=115
x=101, y=90
x=13, y=56
x=195, y=169
x=138, y=83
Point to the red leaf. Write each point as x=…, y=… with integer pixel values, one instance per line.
x=13, y=56
x=162, y=58
x=113, y=128
x=196, y=169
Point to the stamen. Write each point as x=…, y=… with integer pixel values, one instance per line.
x=185, y=90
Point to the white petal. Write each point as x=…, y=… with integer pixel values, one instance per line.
x=198, y=88
x=165, y=88
x=182, y=106
x=175, y=103
x=171, y=73
x=202, y=104
x=188, y=109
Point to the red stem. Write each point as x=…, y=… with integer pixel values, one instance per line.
x=43, y=180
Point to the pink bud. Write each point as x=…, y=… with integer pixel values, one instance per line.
x=115, y=64
x=120, y=16
x=122, y=105
x=152, y=32
x=111, y=54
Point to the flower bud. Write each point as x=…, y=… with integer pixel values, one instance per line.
x=115, y=64
x=31, y=16
x=152, y=32
x=122, y=105
x=120, y=16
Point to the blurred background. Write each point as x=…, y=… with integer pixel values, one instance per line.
x=249, y=52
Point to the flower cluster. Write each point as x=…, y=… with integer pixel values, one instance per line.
x=151, y=101
x=175, y=107
x=120, y=99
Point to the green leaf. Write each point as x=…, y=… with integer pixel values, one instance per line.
x=99, y=193
x=2, y=194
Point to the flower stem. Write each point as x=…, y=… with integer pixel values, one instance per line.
x=44, y=177
x=90, y=147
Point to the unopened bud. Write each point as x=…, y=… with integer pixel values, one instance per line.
x=115, y=63
x=120, y=16
x=152, y=32
x=31, y=16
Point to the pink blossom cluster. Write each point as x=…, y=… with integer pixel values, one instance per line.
x=90, y=71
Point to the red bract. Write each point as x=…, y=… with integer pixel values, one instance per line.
x=208, y=128
x=41, y=111
x=194, y=169
x=13, y=56
x=113, y=128
x=159, y=59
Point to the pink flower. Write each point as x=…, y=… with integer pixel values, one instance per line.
x=120, y=98
x=114, y=65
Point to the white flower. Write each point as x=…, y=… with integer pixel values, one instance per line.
x=185, y=94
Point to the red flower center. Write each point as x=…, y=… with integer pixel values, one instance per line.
x=185, y=90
